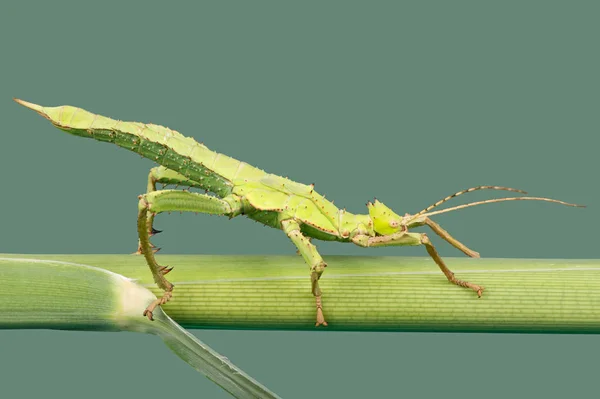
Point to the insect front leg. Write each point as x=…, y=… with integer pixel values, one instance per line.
x=175, y=200
x=445, y=235
x=412, y=239
x=312, y=258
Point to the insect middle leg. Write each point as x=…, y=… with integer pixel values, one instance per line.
x=312, y=258
x=412, y=239
x=157, y=202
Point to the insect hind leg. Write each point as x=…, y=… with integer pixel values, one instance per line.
x=161, y=174
x=175, y=200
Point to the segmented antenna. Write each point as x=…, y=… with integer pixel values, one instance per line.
x=468, y=190
x=454, y=208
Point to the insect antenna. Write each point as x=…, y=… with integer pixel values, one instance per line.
x=468, y=190
x=490, y=201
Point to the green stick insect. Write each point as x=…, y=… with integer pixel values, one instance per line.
x=241, y=189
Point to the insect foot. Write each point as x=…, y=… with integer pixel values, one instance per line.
x=447, y=272
x=316, y=290
x=465, y=284
x=320, y=317
x=165, y=298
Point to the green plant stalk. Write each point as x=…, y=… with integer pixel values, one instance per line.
x=372, y=293
x=50, y=294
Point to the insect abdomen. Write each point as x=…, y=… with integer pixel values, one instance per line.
x=157, y=143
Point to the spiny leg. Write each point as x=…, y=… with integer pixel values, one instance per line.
x=312, y=258
x=412, y=239
x=152, y=180
x=158, y=271
x=175, y=200
x=161, y=174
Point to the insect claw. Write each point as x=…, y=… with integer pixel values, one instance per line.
x=148, y=313
x=155, y=249
x=154, y=231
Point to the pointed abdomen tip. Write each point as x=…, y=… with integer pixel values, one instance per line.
x=29, y=105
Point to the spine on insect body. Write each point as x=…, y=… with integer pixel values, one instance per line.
x=213, y=171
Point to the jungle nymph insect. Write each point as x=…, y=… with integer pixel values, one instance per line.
x=240, y=188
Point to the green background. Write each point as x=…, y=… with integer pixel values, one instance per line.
x=405, y=101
